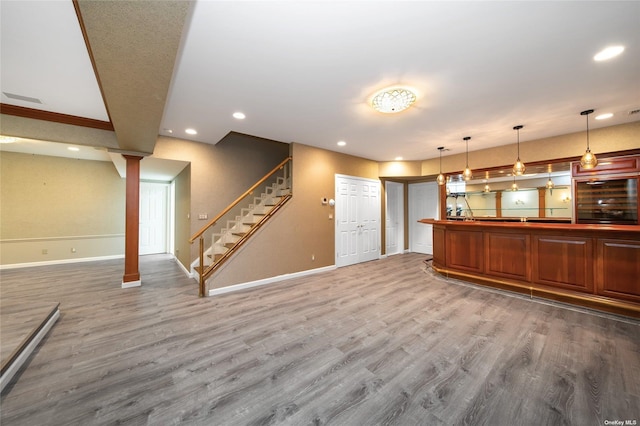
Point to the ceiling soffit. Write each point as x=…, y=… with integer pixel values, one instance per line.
x=134, y=46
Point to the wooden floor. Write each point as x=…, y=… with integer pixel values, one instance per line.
x=380, y=343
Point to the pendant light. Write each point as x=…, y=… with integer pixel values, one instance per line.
x=441, y=179
x=518, y=167
x=550, y=184
x=467, y=174
x=514, y=185
x=588, y=160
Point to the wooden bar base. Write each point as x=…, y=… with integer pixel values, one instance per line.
x=595, y=266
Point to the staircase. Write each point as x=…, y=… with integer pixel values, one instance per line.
x=233, y=227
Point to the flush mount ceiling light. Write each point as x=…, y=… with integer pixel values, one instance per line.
x=239, y=115
x=588, y=160
x=518, y=167
x=393, y=100
x=341, y=143
x=608, y=53
x=191, y=131
x=441, y=179
x=467, y=174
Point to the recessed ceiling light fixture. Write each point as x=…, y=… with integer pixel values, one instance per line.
x=239, y=116
x=604, y=116
x=73, y=148
x=398, y=159
x=393, y=100
x=608, y=53
x=341, y=143
x=191, y=131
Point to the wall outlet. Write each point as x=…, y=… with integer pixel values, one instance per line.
x=45, y=251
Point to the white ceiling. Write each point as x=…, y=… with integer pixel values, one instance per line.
x=304, y=71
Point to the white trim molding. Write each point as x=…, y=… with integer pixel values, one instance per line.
x=130, y=284
x=265, y=281
x=59, y=262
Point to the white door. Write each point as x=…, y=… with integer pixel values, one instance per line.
x=394, y=223
x=153, y=218
x=423, y=203
x=357, y=220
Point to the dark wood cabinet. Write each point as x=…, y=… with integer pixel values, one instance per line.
x=507, y=255
x=618, y=269
x=464, y=250
x=563, y=261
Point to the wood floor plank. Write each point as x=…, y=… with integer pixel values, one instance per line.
x=381, y=343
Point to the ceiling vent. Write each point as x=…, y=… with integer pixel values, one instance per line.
x=22, y=98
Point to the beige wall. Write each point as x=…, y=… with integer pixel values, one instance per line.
x=220, y=173
x=182, y=186
x=302, y=229
x=56, y=205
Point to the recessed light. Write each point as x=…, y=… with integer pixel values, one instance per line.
x=191, y=131
x=239, y=116
x=604, y=116
x=73, y=148
x=342, y=143
x=608, y=53
x=168, y=131
x=398, y=158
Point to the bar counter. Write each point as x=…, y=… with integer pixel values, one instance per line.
x=597, y=266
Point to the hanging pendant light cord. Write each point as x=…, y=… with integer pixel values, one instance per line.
x=467, y=141
x=587, y=132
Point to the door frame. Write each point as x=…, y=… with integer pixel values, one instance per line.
x=399, y=207
x=413, y=216
x=167, y=226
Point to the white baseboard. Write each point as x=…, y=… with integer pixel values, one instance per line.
x=60, y=262
x=129, y=284
x=185, y=270
x=24, y=355
x=250, y=284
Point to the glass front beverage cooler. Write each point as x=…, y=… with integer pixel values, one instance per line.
x=607, y=201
